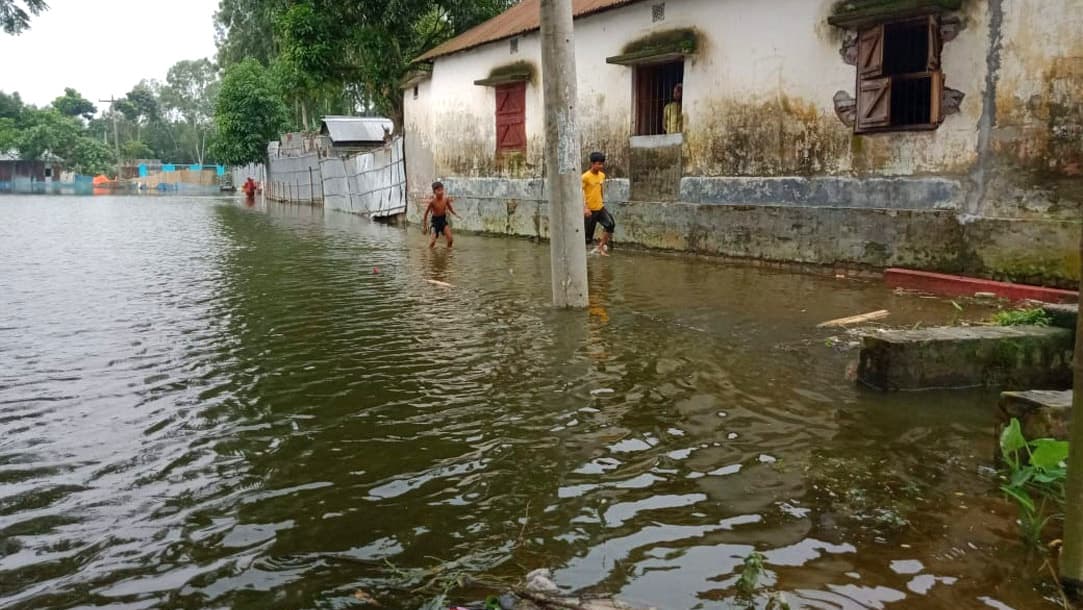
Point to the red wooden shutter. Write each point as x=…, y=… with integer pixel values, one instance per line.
x=511, y=118
x=870, y=52
x=874, y=103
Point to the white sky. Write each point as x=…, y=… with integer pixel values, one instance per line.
x=103, y=47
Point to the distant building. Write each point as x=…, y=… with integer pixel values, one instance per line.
x=348, y=134
x=27, y=176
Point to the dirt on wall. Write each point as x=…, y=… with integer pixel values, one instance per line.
x=783, y=136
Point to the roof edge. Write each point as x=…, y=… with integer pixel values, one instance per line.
x=430, y=55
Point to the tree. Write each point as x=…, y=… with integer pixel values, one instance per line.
x=136, y=149
x=48, y=132
x=90, y=157
x=190, y=91
x=74, y=105
x=11, y=106
x=14, y=19
x=242, y=29
x=9, y=135
x=248, y=114
x=322, y=50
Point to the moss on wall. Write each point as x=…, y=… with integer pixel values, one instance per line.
x=783, y=136
x=685, y=40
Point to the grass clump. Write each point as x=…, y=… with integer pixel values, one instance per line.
x=1022, y=317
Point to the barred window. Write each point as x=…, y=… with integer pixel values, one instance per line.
x=899, y=80
x=654, y=89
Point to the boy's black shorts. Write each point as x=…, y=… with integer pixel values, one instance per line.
x=600, y=217
x=439, y=223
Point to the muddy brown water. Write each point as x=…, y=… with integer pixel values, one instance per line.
x=204, y=405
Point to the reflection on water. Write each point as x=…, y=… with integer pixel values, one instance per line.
x=205, y=405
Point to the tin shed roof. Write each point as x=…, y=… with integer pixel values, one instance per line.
x=519, y=19
x=355, y=129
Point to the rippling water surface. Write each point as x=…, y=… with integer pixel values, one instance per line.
x=209, y=406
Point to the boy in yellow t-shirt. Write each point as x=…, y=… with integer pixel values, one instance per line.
x=593, y=204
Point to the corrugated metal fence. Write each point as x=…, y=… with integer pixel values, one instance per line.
x=370, y=184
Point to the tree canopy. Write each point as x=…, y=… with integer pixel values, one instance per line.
x=74, y=105
x=15, y=14
x=248, y=113
x=325, y=53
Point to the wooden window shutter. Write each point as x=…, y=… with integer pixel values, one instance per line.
x=511, y=118
x=873, y=103
x=935, y=44
x=870, y=52
x=936, y=111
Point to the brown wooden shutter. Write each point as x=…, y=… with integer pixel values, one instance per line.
x=935, y=44
x=936, y=111
x=511, y=118
x=873, y=103
x=870, y=52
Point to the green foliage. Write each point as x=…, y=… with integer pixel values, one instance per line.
x=189, y=93
x=1022, y=317
x=47, y=132
x=248, y=114
x=1035, y=474
x=15, y=19
x=751, y=571
x=748, y=585
x=90, y=157
x=11, y=106
x=9, y=135
x=74, y=105
x=136, y=149
x=325, y=53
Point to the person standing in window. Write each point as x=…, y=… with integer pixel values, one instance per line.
x=671, y=114
x=594, y=205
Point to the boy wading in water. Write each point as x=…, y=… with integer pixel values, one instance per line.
x=439, y=206
x=593, y=207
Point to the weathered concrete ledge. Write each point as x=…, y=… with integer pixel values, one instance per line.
x=1041, y=413
x=961, y=357
x=922, y=236
x=828, y=191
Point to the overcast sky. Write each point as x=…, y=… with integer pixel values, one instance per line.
x=103, y=47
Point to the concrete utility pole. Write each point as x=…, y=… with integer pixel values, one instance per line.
x=1071, y=561
x=116, y=133
x=562, y=156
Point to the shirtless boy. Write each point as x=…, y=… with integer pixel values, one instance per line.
x=439, y=206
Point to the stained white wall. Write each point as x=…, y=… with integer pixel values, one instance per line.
x=758, y=93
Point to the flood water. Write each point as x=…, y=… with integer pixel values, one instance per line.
x=209, y=406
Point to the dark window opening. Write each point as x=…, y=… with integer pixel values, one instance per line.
x=911, y=101
x=514, y=45
x=899, y=84
x=906, y=47
x=654, y=89
x=415, y=92
x=48, y=172
x=658, y=12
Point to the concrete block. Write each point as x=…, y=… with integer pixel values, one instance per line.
x=1041, y=413
x=960, y=357
x=1063, y=315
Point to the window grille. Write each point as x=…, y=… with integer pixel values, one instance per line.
x=654, y=84
x=658, y=12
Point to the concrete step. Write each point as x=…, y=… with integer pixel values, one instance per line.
x=1063, y=315
x=1041, y=413
x=965, y=357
